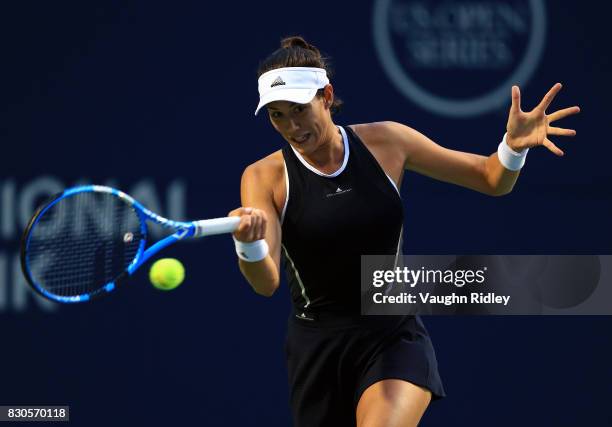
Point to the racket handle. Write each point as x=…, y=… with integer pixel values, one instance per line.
x=209, y=227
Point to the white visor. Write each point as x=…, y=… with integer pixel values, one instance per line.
x=294, y=84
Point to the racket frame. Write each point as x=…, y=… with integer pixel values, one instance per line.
x=184, y=229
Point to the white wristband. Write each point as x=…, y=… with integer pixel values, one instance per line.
x=251, y=251
x=509, y=158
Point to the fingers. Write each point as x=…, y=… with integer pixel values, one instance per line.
x=258, y=225
x=252, y=224
x=258, y=230
x=516, y=99
x=552, y=147
x=561, y=131
x=557, y=115
x=240, y=211
x=548, y=98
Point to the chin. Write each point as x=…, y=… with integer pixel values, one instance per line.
x=305, y=147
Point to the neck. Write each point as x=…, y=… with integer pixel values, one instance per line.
x=328, y=156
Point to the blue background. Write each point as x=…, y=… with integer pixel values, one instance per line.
x=123, y=92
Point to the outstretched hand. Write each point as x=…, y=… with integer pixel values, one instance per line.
x=530, y=129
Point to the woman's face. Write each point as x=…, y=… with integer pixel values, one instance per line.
x=304, y=126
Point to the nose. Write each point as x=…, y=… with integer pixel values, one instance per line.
x=292, y=125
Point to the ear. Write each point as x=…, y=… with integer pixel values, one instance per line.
x=328, y=95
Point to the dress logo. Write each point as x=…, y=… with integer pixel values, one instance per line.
x=303, y=316
x=338, y=192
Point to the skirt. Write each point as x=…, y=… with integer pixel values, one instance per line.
x=332, y=360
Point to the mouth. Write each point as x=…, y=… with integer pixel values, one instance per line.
x=301, y=138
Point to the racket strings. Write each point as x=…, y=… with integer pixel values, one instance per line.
x=82, y=243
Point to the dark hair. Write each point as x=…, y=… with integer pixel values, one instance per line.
x=297, y=52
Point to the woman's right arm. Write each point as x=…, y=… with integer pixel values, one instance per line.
x=259, y=220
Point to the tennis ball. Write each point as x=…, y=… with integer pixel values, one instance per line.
x=166, y=274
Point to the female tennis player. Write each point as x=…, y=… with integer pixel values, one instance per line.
x=330, y=195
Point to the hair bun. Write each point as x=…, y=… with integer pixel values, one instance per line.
x=298, y=41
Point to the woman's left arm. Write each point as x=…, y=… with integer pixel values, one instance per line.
x=481, y=173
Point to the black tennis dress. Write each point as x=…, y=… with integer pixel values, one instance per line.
x=334, y=353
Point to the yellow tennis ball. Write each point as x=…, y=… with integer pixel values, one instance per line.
x=167, y=273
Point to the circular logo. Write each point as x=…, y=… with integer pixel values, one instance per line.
x=459, y=58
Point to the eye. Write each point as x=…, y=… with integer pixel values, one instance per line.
x=299, y=108
x=275, y=114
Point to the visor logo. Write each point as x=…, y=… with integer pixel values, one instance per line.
x=278, y=82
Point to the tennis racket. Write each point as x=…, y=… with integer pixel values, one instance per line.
x=86, y=240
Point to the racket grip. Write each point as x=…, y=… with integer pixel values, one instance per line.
x=209, y=227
